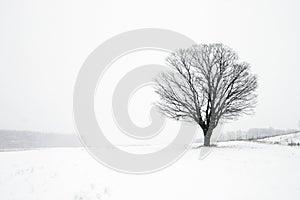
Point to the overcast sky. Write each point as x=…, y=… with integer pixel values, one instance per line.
x=44, y=43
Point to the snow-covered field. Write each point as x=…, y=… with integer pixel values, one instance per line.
x=290, y=139
x=234, y=170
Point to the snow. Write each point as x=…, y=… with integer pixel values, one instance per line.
x=283, y=139
x=233, y=170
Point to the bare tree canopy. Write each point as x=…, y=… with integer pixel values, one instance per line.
x=207, y=83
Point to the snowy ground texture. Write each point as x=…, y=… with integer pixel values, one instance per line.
x=234, y=170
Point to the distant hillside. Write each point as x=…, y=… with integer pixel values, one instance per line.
x=251, y=134
x=290, y=139
x=255, y=133
x=14, y=140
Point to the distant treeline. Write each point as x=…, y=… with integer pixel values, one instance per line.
x=16, y=140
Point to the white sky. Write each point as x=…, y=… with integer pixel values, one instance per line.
x=44, y=43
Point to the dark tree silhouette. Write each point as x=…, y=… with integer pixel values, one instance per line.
x=207, y=83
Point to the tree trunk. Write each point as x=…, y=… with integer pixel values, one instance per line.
x=207, y=137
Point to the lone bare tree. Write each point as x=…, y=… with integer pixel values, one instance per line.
x=206, y=83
